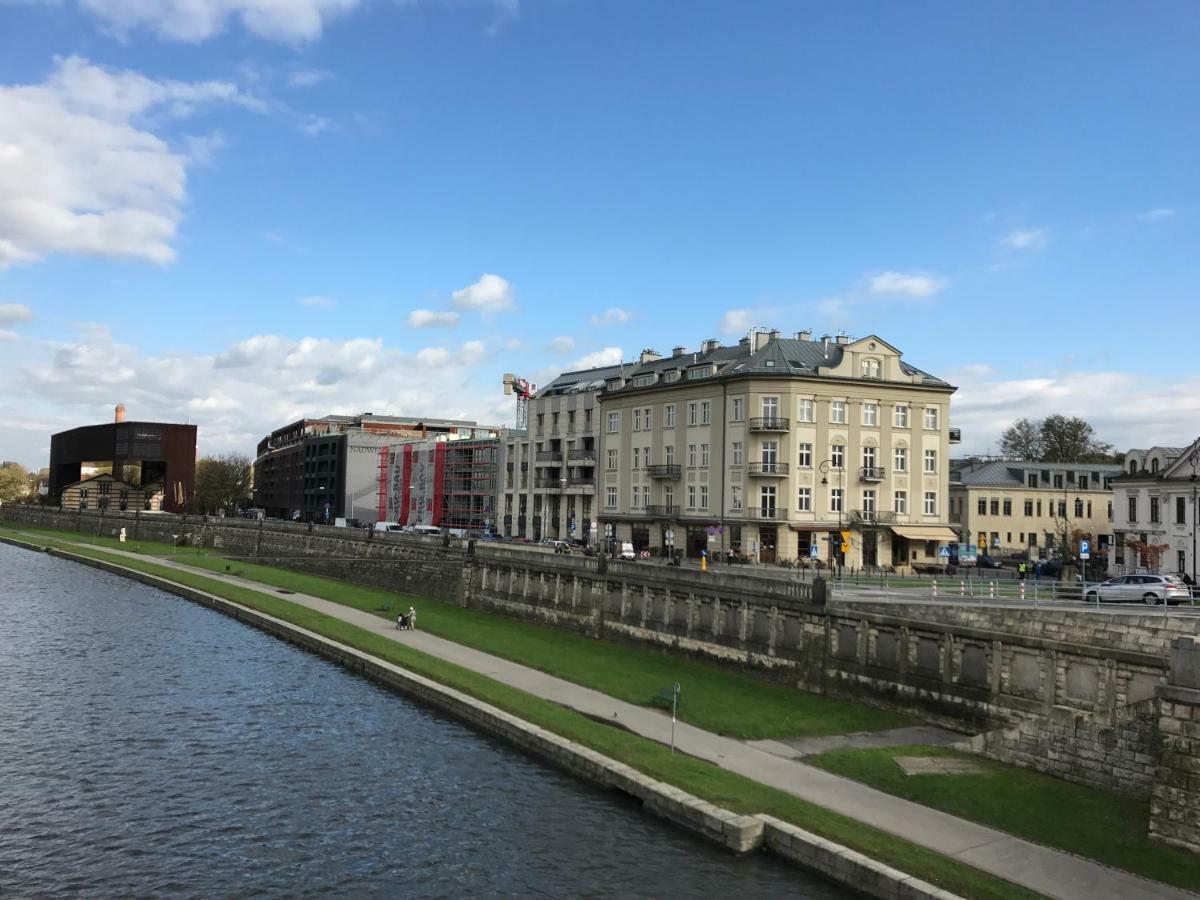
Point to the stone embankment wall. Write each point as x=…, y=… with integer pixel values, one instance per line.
x=1175, y=802
x=1064, y=691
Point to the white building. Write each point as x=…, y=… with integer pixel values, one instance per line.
x=1154, y=506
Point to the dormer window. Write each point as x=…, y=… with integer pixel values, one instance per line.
x=699, y=372
x=643, y=381
x=1154, y=466
x=672, y=375
x=871, y=368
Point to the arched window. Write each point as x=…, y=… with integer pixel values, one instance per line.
x=1133, y=467
x=1154, y=466
x=870, y=368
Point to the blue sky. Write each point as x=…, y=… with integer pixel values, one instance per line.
x=233, y=217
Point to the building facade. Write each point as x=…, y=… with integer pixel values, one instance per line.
x=1154, y=512
x=319, y=470
x=142, y=455
x=549, y=472
x=444, y=483
x=1011, y=507
x=778, y=449
x=105, y=492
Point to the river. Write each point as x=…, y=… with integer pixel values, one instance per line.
x=149, y=745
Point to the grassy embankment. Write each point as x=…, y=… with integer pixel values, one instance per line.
x=1055, y=813
x=695, y=776
x=713, y=698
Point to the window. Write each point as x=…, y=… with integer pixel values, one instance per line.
x=643, y=381
x=835, y=500
x=837, y=412
x=900, y=459
x=804, y=500
x=737, y=453
x=837, y=456
x=668, y=497
x=669, y=454
x=870, y=368
x=738, y=411
x=805, y=412
x=541, y=421
x=804, y=457
x=612, y=460
x=705, y=412
x=637, y=452
x=736, y=497
x=1029, y=507
x=931, y=418
x=703, y=496
x=1153, y=508
x=982, y=506
x=693, y=413
x=900, y=418
x=770, y=407
x=610, y=497
x=1062, y=509
x=699, y=372
x=1089, y=512
x=1032, y=480
x=930, y=503
x=1039, y=509
x=691, y=496
x=691, y=454
x=1078, y=508
x=995, y=507
x=1180, y=512
x=900, y=502
x=1154, y=466
x=868, y=457
x=1007, y=506
x=614, y=422
x=1133, y=509
x=636, y=500
x=1058, y=480
x=868, y=502
x=770, y=455
x=930, y=462
x=1032, y=539
x=870, y=414
x=669, y=416
x=704, y=454
x=766, y=500
x=637, y=420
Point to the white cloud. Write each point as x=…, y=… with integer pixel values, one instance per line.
x=316, y=302
x=614, y=315
x=286, y=21
x=911, y=284
x=609, y=356
x=834, y=308
x=737, y=321
x=202, y=149
x=80, y=175
x=304, y=78
x=425, y=318
x=1025, y=239
x=1157, y=215
x=433, y=357
x=471, y=352
x=15, y=312
x=562, y=345
x=490, y=293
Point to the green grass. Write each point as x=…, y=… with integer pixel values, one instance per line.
x=713, y=698
x=1028, y=804
x=695, y=776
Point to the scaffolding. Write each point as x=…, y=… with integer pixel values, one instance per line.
x=470, y=476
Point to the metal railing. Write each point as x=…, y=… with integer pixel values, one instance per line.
x=662, y=511
x=663, y=470
x=770, y=513
x=872, y=473
x=767, y=468
x=769, y=423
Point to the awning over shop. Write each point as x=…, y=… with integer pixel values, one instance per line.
x=925, y=533
x=806, y=528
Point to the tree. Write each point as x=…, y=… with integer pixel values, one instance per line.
x=1148, y=554
x=1054, y=439
x=1022, y=440
x=14, y=482
x=222, y=482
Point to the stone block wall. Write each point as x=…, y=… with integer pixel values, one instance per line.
x=1175, y=801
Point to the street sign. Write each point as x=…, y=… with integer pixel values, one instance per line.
x=944, y=553
x=996, y=541
x=669, y=536
x=608, y=529
x=982, y=542
x=712, y=530
x=1085, y=549
x=814, y=551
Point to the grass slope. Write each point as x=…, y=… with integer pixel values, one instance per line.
x=695, y=776
x=1055, y=813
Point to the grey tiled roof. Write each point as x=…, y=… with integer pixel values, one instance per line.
x=581, y=380
x=1011, y=473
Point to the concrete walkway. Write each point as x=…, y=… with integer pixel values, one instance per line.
x=1050, y=872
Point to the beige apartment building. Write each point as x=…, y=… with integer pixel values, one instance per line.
x=1016, y=506
x=775, y=446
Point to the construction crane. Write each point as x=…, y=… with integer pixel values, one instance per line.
x=524, y=390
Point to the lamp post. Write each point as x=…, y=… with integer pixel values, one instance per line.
x=824, y=469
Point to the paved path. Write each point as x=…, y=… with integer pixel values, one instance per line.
x=1039, y=868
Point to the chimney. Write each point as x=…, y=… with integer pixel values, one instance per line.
x=804, y=335
x=709, y=345
x=678, y=351
x=120, y=412
x=744, y=342
x=649, y=355
x=773, y=335
x=825, y=344
x=843, y=338
x=759, y=339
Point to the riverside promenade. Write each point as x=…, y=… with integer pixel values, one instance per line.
x=1042, y=869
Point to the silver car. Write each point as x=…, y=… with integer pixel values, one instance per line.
x=1149, y=589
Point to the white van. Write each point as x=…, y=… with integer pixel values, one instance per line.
x=627, y=551
x=389, y=527
x=425, y=529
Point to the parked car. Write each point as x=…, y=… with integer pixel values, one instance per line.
x=627, y=551
x=388, y=527
x=1149, y=589
x=561, y=546
x=988, y=562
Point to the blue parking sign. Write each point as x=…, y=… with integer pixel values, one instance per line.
x=1085, y=549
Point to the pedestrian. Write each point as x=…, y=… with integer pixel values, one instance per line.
x=1037, y=571
x=400, y=622
x=1021, y=570
x=412, y=619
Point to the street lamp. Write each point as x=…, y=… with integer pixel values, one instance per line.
x=824, y=469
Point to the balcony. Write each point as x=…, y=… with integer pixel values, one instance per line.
x=769, y=423
x=574, y=455
x=658, y=511
x=767, y=469
x=769, y=513
x=554, y=484
x=663, y=470
x=548, y=456
x=872, y=473
x=872, y=517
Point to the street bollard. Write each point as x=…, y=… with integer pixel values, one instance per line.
x=962, y=589
x=992, y=590
x=935, y=588
x=1022, y=592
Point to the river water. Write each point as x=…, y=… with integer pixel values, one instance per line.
x=150, y=746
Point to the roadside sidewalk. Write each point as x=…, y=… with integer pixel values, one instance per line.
x=1050, y=872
